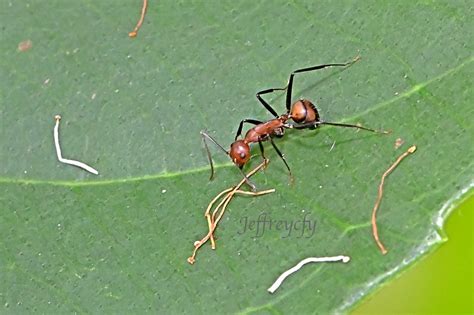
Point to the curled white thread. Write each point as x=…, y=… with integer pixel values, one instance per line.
x=284, y=275
x=59, y=155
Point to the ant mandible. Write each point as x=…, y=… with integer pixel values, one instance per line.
x=303, y=113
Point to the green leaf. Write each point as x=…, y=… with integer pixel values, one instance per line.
x=450, y=291
x=133, y=108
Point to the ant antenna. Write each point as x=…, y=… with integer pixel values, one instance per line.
x=205, y=136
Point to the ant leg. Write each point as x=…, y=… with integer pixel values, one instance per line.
x=249, y=121
x=260, y=144
x=351, y=126
x=239, y=132
x=265, y=104
x=289, y=86
x=318, y=123
x=247, y=180
x=282, y=157
x=262, y=151
x=205, y=136
x=290, y=81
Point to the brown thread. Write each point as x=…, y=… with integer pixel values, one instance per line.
x=140, y=21
x=379, y=197
x=218, y=213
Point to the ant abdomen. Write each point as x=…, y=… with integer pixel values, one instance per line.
x=303, y=111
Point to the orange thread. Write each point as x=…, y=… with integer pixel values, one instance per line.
x=140, y=21
x=208, y=216
x=217, y=214
x=379, y=197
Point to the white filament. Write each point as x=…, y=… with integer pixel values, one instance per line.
x=284, y=275
x=59, y=155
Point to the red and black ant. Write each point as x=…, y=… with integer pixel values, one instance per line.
x=303, y=113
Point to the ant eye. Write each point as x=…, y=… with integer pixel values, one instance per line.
x=242, y=155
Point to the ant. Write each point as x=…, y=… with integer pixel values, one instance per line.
x=303, y=113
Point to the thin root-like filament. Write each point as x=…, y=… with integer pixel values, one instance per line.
x=214, y=218
x=140, y=21
x=379, y=197
x=59, y=154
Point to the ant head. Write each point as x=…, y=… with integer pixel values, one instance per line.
x=239, y=152
x=303, y=111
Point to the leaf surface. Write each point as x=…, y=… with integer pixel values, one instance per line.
x=133, y=108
